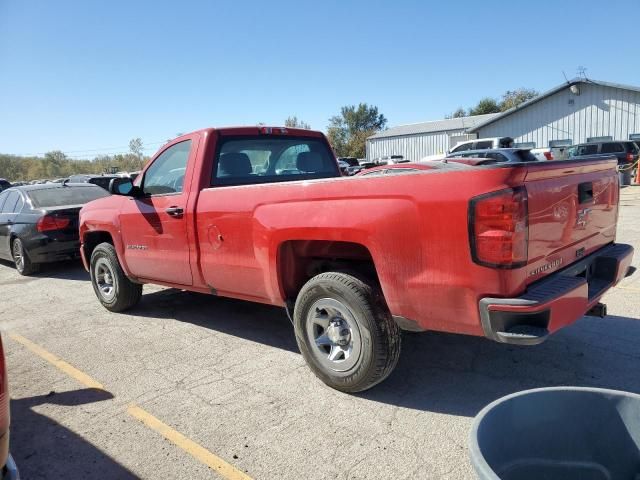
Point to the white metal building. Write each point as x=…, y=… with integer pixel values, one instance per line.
x=577, y=111
x=418, y=140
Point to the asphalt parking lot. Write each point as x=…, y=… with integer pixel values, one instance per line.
x=186, y=385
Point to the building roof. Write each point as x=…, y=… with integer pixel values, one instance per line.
x=542, y=96
x=434, y=126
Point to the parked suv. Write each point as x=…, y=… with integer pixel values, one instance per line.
x=100, y=180
x=624, y=150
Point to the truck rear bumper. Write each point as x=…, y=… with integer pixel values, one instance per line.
x=556, y=301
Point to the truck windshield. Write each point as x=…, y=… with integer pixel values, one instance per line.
x=265, y=159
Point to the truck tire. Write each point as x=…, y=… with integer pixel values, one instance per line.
x=21, y=258
x=345, y=332
x=114, y=290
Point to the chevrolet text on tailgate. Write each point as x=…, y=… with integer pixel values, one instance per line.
x=511, y=252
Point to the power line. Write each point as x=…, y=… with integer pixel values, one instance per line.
x=94, y=150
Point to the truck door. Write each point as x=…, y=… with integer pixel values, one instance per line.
x=154, y=227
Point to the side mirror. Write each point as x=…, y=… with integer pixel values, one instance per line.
x=121, y=186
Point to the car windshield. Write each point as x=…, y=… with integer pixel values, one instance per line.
x=60, y=196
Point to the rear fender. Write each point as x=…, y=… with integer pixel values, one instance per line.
x=378, y=224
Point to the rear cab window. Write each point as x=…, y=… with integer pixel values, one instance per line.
x=265, y=159
x=62, y=196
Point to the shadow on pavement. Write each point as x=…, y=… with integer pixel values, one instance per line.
x=259, y=323
x=459, y=375
x=44, y=449
x=439, y=372
x=67, y=270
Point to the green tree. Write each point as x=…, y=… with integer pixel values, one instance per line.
x=458, y=113
x=484, y=106
x=348, y=131
x=514, y=98
x=295, y=122
x=53, y=163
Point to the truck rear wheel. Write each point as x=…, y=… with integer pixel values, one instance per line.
x=114, y=290
x=345, y=332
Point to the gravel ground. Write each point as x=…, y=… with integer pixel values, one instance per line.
x=228, y=375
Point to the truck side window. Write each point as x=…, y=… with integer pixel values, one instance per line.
x=166, y=174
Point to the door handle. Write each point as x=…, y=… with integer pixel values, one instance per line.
x=174, y=211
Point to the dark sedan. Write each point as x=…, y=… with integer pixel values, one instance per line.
x=39, y=223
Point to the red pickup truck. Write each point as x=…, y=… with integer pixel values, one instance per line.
x=511, y=252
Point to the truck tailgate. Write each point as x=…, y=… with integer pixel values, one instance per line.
x=573, y=210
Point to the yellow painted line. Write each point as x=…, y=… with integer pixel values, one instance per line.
x=200, y=453
x=632, y=289
x=70, y=370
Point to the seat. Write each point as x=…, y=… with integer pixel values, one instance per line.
x=310, y=162
x=234, y=164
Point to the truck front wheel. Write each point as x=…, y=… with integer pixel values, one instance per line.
x=345, y=332
x=114, y=290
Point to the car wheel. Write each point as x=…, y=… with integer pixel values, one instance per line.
x=21, y=258
x=345, y=332
x=114, y=290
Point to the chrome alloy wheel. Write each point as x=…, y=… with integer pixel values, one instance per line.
x=333, y=335
x=103, y=276
x=18, y=255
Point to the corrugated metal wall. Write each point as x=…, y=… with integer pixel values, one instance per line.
x=411, y=147
x=598, y=111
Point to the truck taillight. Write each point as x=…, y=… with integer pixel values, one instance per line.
x=548, y=155
x=630, y=157
x=499, y=228
x=50, y=222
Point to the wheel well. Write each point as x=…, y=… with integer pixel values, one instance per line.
x=300, y=260
x=93, y=239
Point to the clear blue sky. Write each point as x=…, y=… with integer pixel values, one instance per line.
x=79, y=75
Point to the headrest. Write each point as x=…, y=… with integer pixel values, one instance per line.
x=310, y=162
x=234, y=164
